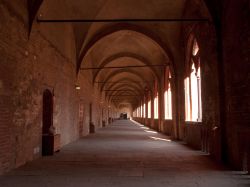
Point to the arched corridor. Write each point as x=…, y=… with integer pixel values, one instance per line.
x=77, y=75
x=125, y=153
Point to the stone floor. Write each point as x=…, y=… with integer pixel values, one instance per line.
x=125, y=154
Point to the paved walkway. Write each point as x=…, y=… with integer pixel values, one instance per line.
x=125, y=154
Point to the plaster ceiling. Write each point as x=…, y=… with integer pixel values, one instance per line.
x=109, y=44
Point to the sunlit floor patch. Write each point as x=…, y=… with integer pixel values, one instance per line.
x=153, y=132
x=161, y=139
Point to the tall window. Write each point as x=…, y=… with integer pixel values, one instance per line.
x=149, y=109
x=156, y=102
x=193, y=107
x=168, y=95
x=156, y=106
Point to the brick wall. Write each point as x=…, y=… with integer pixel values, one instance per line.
x=29, y=65
x=5, y=138
x=228, y=63
x=236, y=57
x=210, y=89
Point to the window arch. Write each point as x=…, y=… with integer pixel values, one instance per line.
x=192, y=82
x=167, y=95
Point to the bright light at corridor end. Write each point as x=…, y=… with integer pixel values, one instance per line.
x=77, y=87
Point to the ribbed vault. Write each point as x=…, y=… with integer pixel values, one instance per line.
x=111, y=49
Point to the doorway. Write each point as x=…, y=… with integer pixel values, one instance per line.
x=47, y=138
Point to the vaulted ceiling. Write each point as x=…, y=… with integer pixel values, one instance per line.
x=141, y=48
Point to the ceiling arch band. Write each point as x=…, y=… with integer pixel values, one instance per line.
x=113, y=28
x=126, y=54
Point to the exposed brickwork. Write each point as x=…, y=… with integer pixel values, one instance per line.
x=207, y=134
x=168, y=128
x=28, y=67
x=192, y=135
x=233, y=39
x=236, y=54
x=5, y=138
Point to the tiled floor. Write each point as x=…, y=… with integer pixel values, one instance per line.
x=125, y=154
